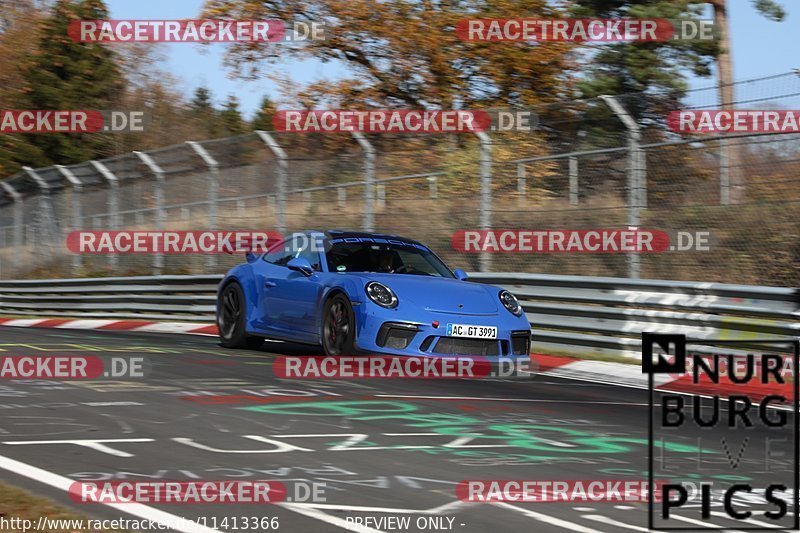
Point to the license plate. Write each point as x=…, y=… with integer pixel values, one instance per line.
x=473, y=332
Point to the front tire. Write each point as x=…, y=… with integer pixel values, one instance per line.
x=232, y=317
x=338, y=327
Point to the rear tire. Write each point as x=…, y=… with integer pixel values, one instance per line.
x=338, y=327
x=232, y=317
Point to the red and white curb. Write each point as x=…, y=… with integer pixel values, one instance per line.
x=618, y=374
x=596, y=371
x=625, y=375
x=136, y=326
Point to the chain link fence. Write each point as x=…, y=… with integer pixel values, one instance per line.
x=590, y=164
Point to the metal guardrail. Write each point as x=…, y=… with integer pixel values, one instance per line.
x=569, y=314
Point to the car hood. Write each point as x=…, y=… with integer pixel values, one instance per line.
x=443, y=295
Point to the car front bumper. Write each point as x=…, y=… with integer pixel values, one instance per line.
x=385, y=331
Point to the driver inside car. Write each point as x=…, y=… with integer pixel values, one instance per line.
x=387, y=261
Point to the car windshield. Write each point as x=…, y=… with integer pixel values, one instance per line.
x=387, y=258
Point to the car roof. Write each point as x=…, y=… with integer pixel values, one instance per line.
x=342, y=234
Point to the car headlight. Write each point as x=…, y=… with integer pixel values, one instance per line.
x=381, y=294
x=511, y=303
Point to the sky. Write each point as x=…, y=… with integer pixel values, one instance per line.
x=760, y=48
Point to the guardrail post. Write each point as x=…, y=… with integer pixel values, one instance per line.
x=369, y=180
x=46, y=215
x=18, y=221
x=433, y=187
x=522, y=186
x=113, y=204
x=724, y=173
x=636, y=177
x=485, y=261
x=213, y=192
x=158, y=193
x=573, y=180
x=283, y=171
x=77, y=190
x=381, y=195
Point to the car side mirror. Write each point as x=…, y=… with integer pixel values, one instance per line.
x=300, y=264
x=460, y=274
x=250, y=257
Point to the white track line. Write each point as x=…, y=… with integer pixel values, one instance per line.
x=136, y=509
x=753, y=521
x=552, y=520
x=312, y=512
x=700, y=523
x=617, y=524
x=470, y=398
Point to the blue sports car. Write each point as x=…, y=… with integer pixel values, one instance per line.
x=367, y=293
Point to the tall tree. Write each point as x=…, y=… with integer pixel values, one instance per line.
x=727, y=97
x=263, y=118
x=404, y=53
x=658, y=68
x=64, y=74
x=231, y=117
x=768, y=8
x=201, y=101
x=204, y=114
x=18, y=21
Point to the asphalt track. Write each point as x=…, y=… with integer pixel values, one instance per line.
x=380, y=447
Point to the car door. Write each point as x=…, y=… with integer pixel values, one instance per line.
x=290, y=297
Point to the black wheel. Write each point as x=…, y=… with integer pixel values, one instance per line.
x=338, y=326
x=231, y=318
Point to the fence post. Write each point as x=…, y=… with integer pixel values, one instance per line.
x=283, y=171
x=18, y=221
x=573, y=180
x=433, y=187
x=522, y=186
x=369, y=180
x=213, y=192
x=77, y=191
x=158, y=194
x=341, y=193
x=724, y=173
x=381, y=195
x=46, y=215
x=113, y=203
x=485, y=261
x=636, y=185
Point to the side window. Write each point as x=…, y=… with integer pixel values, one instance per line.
x=312, y=256
x=282, y=254
x=279, y=255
